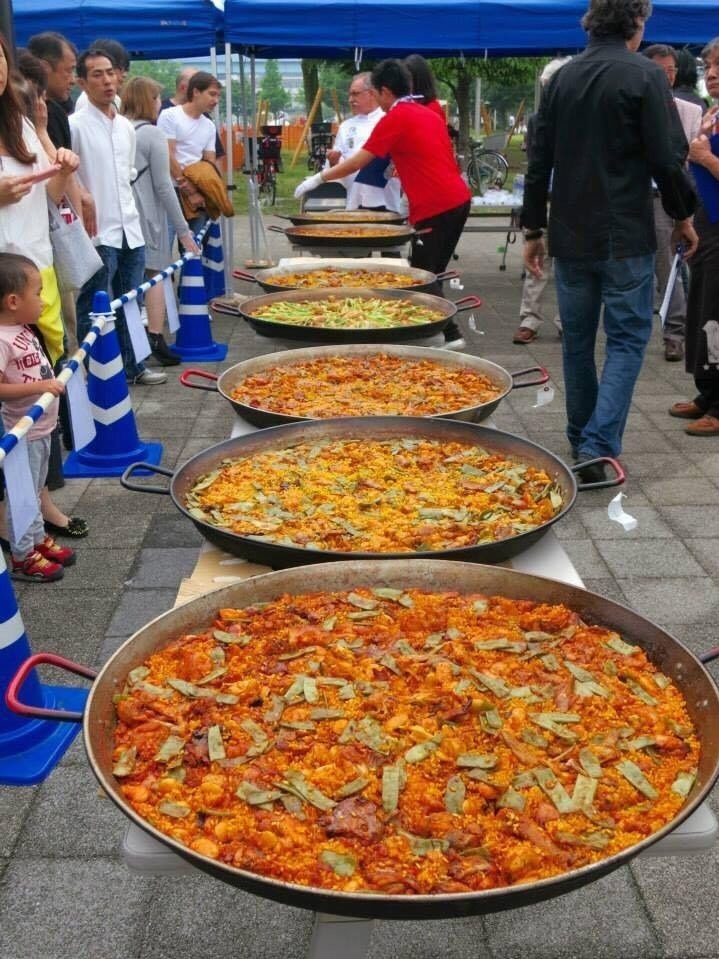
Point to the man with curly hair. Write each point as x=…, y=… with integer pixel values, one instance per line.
x=607, y=126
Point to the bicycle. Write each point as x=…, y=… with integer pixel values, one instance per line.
x=267, y=181
x=486, y=169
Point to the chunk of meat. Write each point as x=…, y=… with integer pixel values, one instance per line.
x=355, y=817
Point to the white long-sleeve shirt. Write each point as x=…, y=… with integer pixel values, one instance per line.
x=352, y=135
x=106, y=147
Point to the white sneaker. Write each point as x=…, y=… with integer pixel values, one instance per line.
x=458, y=344
x=143, y=315
x=150, y=378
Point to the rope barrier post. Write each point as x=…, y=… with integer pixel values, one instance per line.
x=116, y=444
x=29, y=748
x=194, y=339
x=213, y=262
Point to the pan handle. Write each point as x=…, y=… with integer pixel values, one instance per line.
x=544, y=377
x=281, y=216
x=12, y=693
x=710, y=656
x=186, y=376
x=137, y=487
x=243, y=275
x=603, y=484
x=448, y=275
x=275, y=228
x=468, y=303
x=424, y=231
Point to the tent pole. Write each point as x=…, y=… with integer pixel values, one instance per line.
x=228, y=233
x=247, y=162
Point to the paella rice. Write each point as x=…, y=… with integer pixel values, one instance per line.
x=376, y=496
x=347, y=313
x=403, y=741
x=334, y=276
x=350, y=232
x=371, y=384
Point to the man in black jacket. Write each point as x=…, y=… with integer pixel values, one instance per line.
x=607, y=126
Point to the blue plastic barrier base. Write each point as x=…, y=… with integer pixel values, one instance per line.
x=84, y=464
x=35, y=764
x=212, y=353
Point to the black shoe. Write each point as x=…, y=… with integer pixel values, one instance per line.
x=162, y=352
x=596, y=473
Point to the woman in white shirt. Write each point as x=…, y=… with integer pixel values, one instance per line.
x=156, y=202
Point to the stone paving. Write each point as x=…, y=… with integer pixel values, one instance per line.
x=64, y=889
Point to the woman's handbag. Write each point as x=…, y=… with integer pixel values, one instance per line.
x=75, y=259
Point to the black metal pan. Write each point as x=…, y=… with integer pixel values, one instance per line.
x=271, y=280
x=226, y=383
x=316, y=234
x=344, y=216
x=669, y=655
x=394, y=334
x=376, y=427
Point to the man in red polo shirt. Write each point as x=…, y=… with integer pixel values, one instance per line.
x=418, y=143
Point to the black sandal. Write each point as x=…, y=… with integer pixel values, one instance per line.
x=76, y=528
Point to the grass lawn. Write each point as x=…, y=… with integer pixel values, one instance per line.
x=289, y=178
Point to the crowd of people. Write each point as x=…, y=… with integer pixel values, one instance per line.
x=135, y=173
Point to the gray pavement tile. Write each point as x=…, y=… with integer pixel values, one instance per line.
x=71, y=818
x=163, y=567
x=682, y=490
x=15, y=802
x=609, y=588
x=672, y=600
x=154, y=427
x=587, y=561
x=699, y=637
x=693, y=444
x=646, y=557
x=98, y=567
x=691, y=521
x=76, y=754
x=167, y=532
x=137, y=607
x=680, y=896
x=232, y=923
x=660, y=466
x=606, y=920
x=651, y=525
x=68, y=495
x=55, y=625
x=72, y=907
x=571, y=526
x=543, y=420
x=707, y=553
x=448, y=938
x=654, y=402
x=647, y=441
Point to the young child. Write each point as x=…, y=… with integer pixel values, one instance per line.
x=25, y=373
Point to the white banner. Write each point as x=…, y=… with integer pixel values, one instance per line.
x=83, y=425
x=138, y=336
x=21, y=494
x=173, y=319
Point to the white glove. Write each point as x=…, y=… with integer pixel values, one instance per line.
x=311, y=183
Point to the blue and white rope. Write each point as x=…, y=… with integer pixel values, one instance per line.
x=10, y=440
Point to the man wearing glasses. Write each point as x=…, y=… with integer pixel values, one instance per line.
x=369, y=188
x=690, y=117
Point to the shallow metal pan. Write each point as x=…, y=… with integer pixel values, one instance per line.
x=271, y=279
x=226, y=383
x=374, y=427
x=669, y=655
x=343, y=216
x=393, y=334
x=315, y=234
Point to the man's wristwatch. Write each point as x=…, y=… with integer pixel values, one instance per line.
x=533, y=234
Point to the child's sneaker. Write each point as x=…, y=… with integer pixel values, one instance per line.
x=56, y=553
x=36, y=569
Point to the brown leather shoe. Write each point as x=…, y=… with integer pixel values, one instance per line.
x=706, y=426
x=686, y=411
x=673, y=351
x=524, y=335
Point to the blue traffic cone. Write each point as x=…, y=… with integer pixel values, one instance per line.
x=30, y=747
x=116, y=444
x=194, y=339
x=213, y=262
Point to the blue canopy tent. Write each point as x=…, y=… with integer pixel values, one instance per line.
x=338, y=28
x=149, y=29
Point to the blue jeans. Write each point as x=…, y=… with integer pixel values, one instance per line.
x=122, y=270
x=597, y=409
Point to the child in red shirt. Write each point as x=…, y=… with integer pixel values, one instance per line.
x=26, y=373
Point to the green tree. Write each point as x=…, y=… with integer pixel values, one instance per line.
x=513, y=74
x=336, y=75
x=310, y=82
x=272, y=90
x=163, y=72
